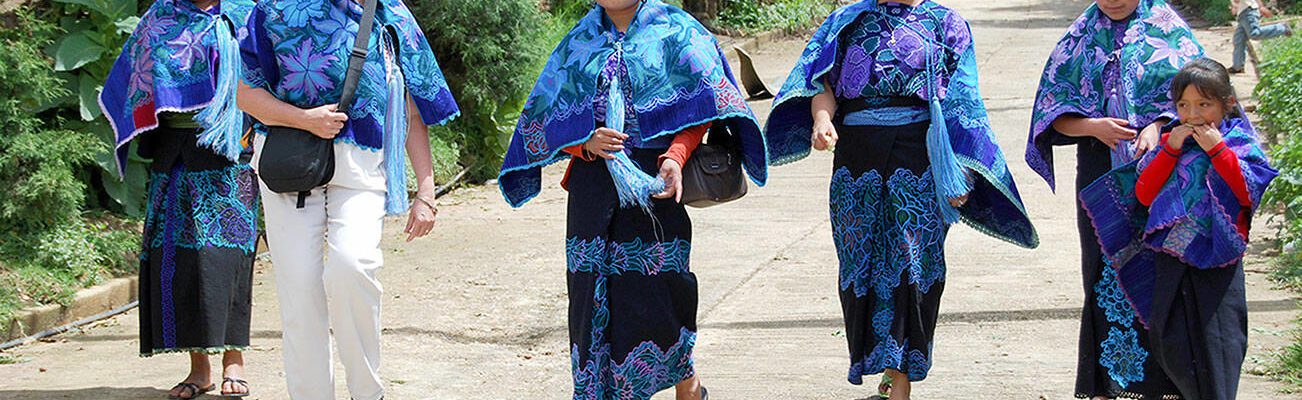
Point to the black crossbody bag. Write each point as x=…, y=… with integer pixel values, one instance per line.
x=296, y=161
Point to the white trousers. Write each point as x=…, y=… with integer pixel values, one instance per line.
x=325, y=258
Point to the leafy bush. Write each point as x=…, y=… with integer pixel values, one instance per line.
x=763, y=15
x=1280, y=95
x=47, y=249
x=491, y=52
x=1216, y=12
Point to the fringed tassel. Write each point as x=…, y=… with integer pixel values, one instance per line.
x=950, y=178
x=395, y=141
x=634, y=186
x=222, y=120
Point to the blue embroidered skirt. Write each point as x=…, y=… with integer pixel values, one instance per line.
x=632, y=298
x=196, y=267
x=1113, y=356
x=890, y=242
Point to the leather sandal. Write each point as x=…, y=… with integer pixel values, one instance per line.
x=195, y=391
x=235, y=381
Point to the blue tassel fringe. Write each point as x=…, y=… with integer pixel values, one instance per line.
x=950, y=178
x=633, y=185
x=222, y=120
x=395, y=141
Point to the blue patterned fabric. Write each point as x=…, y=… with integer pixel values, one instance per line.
x=866, y=59
x=597, y=255
x=883, y=233
x=298, y=50
x=677, y=75
x=1155, y=43
x=1193, y=218
x=203, y=209
x=170, y=64
x=641, y=375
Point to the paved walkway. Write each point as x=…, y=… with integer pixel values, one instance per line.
x=478, y=310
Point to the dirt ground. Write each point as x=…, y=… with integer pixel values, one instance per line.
x=477, y=311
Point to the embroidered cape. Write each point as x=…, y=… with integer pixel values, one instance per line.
x=170, y=64
x=1193, y=217
x=678, y=75
x=1156, y=44
x=298, y=50
x=994, y=206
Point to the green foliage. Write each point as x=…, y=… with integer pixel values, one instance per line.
x=1280, y=95
x=1216, y=12
x=47, y=249
x=490, y=52
x=763, y=15
x=94, y=32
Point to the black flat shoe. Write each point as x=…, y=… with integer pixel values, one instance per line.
x=705, y=394
x=195, y=390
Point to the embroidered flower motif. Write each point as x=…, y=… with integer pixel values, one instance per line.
x=1122, y=356
x=306, y=71
x=299, y=14
x=1164, y=19
x=188, y=47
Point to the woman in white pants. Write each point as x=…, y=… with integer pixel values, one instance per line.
x=327, y=251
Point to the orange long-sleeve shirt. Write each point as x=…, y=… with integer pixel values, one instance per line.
x=680, y=149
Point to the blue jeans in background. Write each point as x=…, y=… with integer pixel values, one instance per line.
x=1249, y=28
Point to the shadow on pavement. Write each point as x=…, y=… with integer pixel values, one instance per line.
x=105, y=393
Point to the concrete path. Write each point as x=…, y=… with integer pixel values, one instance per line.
x=478, y=310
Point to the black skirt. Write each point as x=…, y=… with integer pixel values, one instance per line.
x=196, y=265
x=1114, y=358
x=632, y=296
x=1200, y=327
x=890, y=243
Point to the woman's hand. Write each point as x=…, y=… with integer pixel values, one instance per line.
x=672, y=174
x=1110, y=131
x=1207, y=136
x=324, y=121
x=824, y=136
x=604, y=142
x=420, y=220
x=1178, y=135
x=1150, y=137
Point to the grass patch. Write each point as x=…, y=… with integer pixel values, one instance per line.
x=764, y=15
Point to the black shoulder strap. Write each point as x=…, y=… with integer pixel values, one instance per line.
x=357, y=59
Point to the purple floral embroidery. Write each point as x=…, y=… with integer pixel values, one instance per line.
x=306, y=71
x=186, y=48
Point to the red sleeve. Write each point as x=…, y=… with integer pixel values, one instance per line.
x=1153, y=178
x=1226, y=163
x=577, y=151
x=685, y=143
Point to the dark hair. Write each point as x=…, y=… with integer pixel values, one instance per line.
x=1210, y=79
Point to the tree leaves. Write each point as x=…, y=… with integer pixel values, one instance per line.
x=76, y=51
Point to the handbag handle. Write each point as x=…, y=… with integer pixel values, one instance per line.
x=357, y=58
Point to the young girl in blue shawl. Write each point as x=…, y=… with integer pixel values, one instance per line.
x=893, y=87
x=1174, y=227
x=1105, y=90
x=626, y=96
x=326, y=246
x=171, y=92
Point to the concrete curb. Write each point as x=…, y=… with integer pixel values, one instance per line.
x=87, y=302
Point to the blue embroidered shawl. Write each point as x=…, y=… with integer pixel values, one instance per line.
x=1157, y=43
x=298, y=50
x=170, y=64
x=1193, y=218
x=994, y=206
x=679, y=78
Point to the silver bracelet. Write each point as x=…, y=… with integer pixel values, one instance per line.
x=427, y=203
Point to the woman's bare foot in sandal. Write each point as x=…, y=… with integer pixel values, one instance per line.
x=200, y=377
x=900, y=385
x=233, y=383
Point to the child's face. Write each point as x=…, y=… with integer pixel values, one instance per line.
x=1196, y=109
x=1117, y=9
x=617, y=5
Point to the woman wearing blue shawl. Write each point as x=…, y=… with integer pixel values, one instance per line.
x=638, y=83
x=1108, y=77
x=296, y=55
x=893, y=86
x=172, y=92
